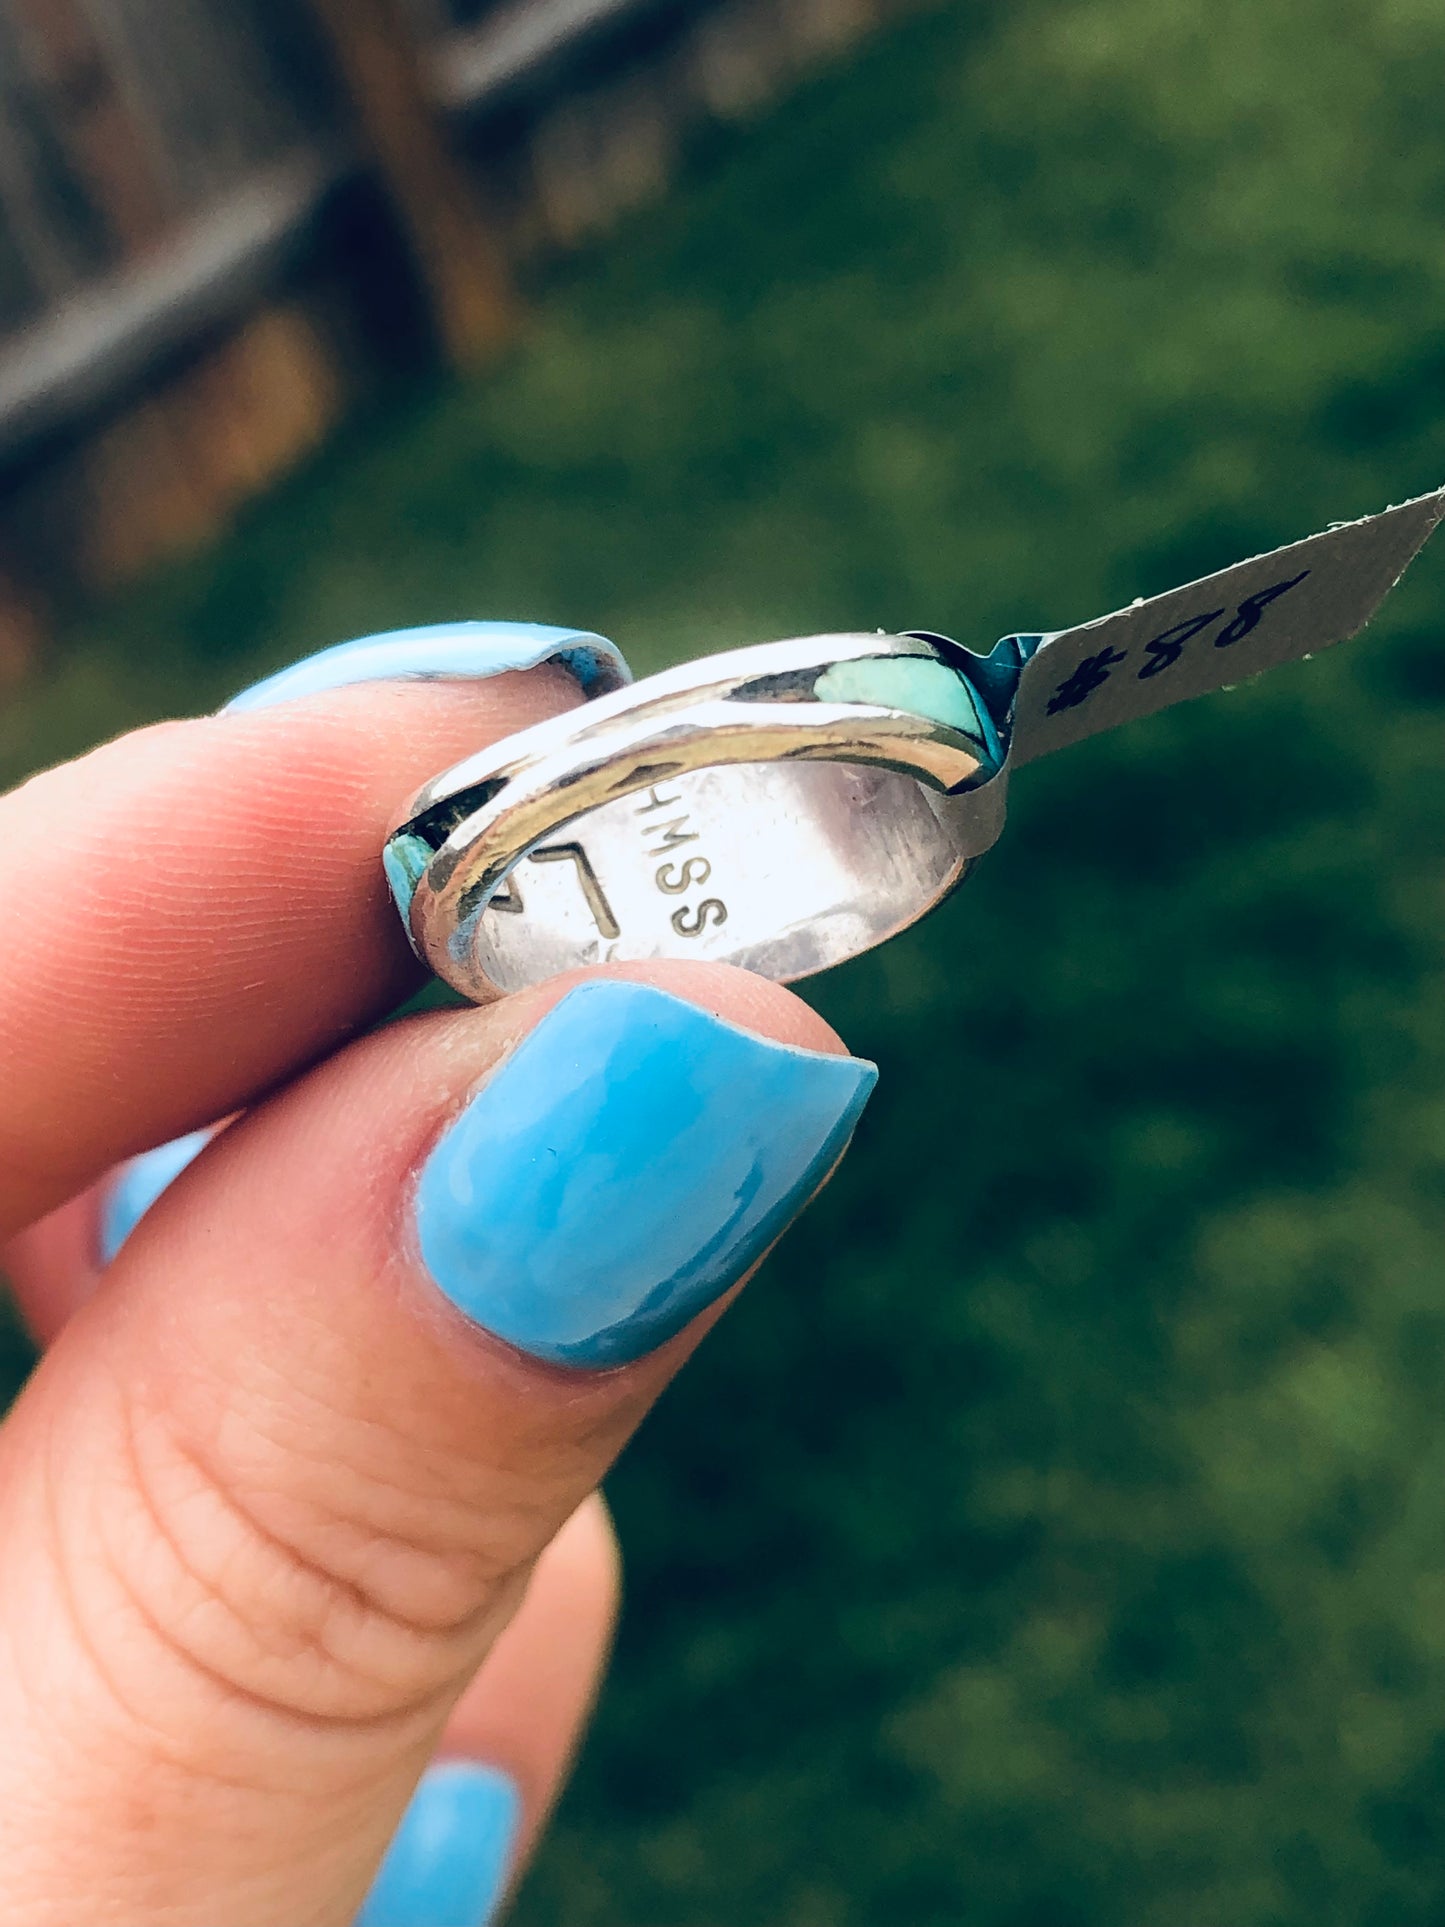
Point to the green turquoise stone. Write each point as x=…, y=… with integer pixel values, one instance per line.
x=915, y=683
x=405, y=859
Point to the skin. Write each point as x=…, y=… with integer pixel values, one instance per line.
x=279, y=1525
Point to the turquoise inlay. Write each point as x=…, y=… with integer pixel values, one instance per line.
x=447, y=1864
x=629, y=1161
x=918, y=684
x=405, y=859
x=136, y=1186
x=444, y=652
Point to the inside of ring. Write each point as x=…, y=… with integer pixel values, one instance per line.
x=783, y=868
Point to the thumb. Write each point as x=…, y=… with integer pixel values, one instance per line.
x=271, y=1498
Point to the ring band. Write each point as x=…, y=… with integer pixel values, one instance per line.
x=782, y=808
x=789, y=806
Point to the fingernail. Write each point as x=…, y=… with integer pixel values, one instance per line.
x=445, y=652
x=447, y=1863
x=136, y=1186
x=626, y=1163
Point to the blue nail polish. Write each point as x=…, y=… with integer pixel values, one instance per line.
x=445, y=652
x=622, y=1167
x=137, y=1185
x=447, y=1864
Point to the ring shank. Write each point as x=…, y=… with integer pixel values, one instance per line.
x=781, y=868
x=782, y=808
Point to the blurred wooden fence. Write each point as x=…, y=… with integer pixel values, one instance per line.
x=196, y=274
x=119, y=118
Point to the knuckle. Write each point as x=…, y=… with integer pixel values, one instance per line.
x=292, y=1605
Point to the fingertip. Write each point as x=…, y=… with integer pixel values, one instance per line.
x=628, y=1161
x=230, y=863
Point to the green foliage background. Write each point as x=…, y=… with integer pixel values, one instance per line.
x=1055, y=1534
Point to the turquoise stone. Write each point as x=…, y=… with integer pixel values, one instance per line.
x=405, y=859
x=918, y=684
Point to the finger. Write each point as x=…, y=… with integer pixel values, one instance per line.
x=525, y=1711
x=474, y=1819
x=55, y=1264
x=199, y=908
x=271, y=1498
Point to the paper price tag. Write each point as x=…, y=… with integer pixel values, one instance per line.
x=1223, y=629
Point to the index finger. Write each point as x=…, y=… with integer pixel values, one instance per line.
x=197, y=910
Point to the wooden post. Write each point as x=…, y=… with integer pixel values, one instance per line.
x=105, y=141
x=457, y=252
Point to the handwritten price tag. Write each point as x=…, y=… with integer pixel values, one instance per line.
x=1223, y=629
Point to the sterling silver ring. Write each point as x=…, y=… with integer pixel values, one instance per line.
x=782, y=807
x=788, y=806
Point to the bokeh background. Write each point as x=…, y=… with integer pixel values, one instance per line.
x=1054, y=1536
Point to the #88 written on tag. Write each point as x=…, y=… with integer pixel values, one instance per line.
x=1223, y=629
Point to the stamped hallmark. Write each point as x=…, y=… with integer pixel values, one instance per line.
x=675, y=877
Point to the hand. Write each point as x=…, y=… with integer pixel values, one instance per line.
x=302, y=1497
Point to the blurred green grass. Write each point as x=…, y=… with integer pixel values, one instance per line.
x=1053, y=1536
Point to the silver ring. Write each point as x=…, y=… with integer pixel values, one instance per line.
x=782, y=808
x=787, y=807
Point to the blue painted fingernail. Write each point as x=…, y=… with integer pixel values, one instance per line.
x=447, y=1864
x=622, y=1167
x=136, y=1186
x=445, y=652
